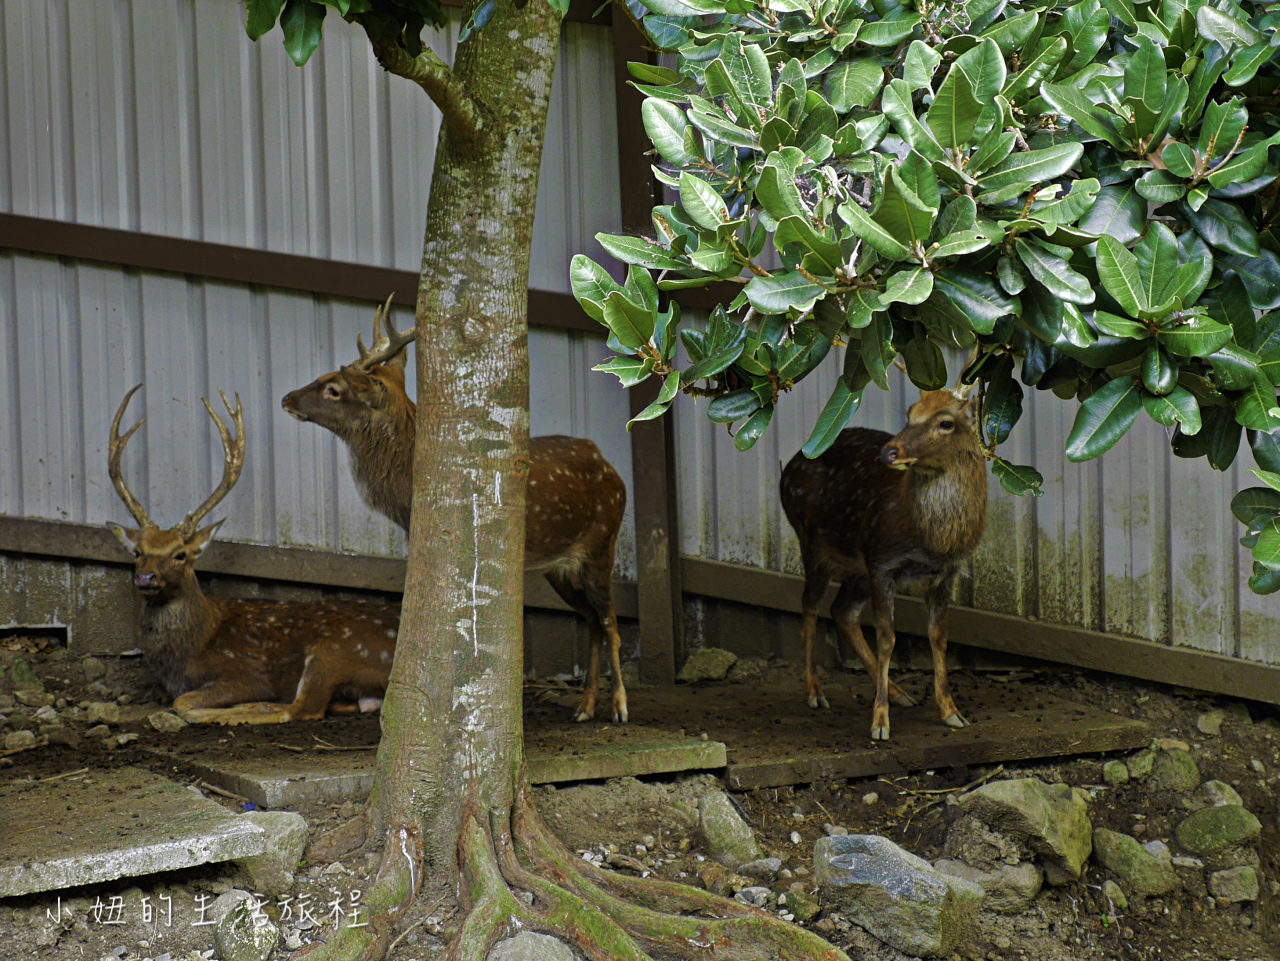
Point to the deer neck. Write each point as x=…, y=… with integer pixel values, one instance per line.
x=950, y=507
x=175, y=629
x=381, y=450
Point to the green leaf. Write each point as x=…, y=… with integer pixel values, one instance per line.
x=1027, y=83
x=1221, y=126
x=1225, y=29
x=953, y=115
x=1157, y=256
x=777, y=191
x=1269, y=478
x=970, y=300
x=1176, y=407
x=1264, y=580
x=1119, y=326
x=701, y=202
x=1017, y=479
x=1267, y=551
x=900, y=212
x=888, y=31
x=1159, y=372
x=1254, y=405
x=961, y=242
x=652, y=73
x=853, y=83
x=665, y=124
x=262, y=17
x=303, y=25
x=1161, y=186
x=1251, y=501
x=1103, y=418
x=733, y=406
x=1118, y=211
x=629, y=370
x=921, y=62
x=659, y=407
x=837, y=412
x=630, y=323
x=907, y=287
x=1002, y=405
x=718, y=361
x=637, y=250
x=1179, y=158
x=1234, y=367
x=798, y=230
x=1225, y=226
x=872, y=233
x=781, y=292
x=720, y=128
x=1194, y=337
x=877, y=349
x=1073, y=103
x=1144, y=75
x=1241, y=168
x=756, y=425
x=591, y=284
x=926, y=367
x=1055, y=273
x=1033, y=166
x=1118, y=271
x=1070, y=208
x=1246, y=63
x=1260, y=276
x=896, y=103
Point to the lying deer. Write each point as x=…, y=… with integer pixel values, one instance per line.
x=576, y=500
x=876, y=509
x=213, y=653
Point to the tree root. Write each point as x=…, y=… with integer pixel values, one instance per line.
x=607, y=916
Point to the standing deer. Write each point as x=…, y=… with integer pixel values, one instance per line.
x=876, y=509
x=212, y=654
x=576, y=500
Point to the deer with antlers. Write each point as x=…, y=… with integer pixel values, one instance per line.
x=876, y=509
x=243, y=661
x=576, y=500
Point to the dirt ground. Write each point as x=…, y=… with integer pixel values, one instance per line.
x=650, y=824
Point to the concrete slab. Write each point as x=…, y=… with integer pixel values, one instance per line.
x=120, y=823
x=634, y=756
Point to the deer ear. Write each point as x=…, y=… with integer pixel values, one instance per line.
x=198, y=541
x=357, y=380
x=401, y=360
x=126, y=535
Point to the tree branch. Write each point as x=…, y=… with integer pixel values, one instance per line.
x=461, y=111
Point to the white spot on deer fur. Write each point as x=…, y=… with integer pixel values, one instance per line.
x=384, y=656
x=391, y=632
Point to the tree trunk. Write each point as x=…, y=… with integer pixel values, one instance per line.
x=452, y=729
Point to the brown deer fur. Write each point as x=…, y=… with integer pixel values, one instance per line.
x=874, y=510
x=211, y=654
x=575, y=501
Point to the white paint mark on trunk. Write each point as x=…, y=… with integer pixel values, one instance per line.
x=497, y=487
x=404, y=849
x=475, y=574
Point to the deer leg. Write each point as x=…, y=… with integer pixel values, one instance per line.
x=597, y=588
x=882, y=605
x=218, y=694
x=937, y=599
x=845, y=610
x=815, y=585
x=578, y=599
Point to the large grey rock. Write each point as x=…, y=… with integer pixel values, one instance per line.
x=528, y=946
x=103, y=711
x=1213, y=829
x=1010, y=889
x=707, y=664
x=245, y=934
x=1235, y=884
x=223, y=903
x=896, y=896
x=729, y=838
x=271, y=872
x=1217, y=793
x=1051, y=818
x=93, y=668
x=1175, y=771
x=1141, y=872
x=1115, y=772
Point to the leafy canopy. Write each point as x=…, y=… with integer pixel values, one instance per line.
x=1083, y=193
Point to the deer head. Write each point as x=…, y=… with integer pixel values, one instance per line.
x=164, y=559
x=938, y=432
x=340, y=401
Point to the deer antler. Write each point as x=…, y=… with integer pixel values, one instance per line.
x=233, y=450
x=385, y=346
x=115, y=452
x=961, y=390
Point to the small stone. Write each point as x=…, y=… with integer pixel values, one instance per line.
x=124, y=699
x=123, y=739
x=1158, y=849
x=98, y=730
x=166, y=722
x=763, y=868
x=1182, y=861
x=803, y=906
x=718, y=879
x=795, y=837
x=747, y=669
x=46, y=715
x=271, y=872
x=1240, y=712
x=33, y=698
x=93, y=668
x=6, y=702
x=1141, y=872
x=19, y=740
x=1210, y=724
x=335, y=870
x=1235, y=884
x=707, y=664
x=1213, y=829
x=1258, y=766
x=835, y=830
x=1140, y=764
x=103, y=711
x=1115, y=772
x=1218, y=793
x=292, y=941
x=754, y=895
x=1010, y=888
x=23, y=678
x=871, y=797
x=245, y=933
x=1171, y=744
x=1175, y=771
x=1115, y=894
x=729, y=838
x=529, y=946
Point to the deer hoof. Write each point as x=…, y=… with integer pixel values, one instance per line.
x=880, y=733
x=903, y=699
x=583, y=716
x=619, y=717
x=818, y=700
x=955, y=720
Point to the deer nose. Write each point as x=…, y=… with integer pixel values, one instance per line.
x=888, y=455
x=144, y=579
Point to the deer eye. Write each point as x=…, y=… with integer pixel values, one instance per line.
x=946, y=425
x=180, y=556
x=332, y=392
x=136, y=552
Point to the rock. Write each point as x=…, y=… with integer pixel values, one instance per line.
x=804, y=906
x=103, y=711
x=271, y=872
x=1158, y=850
x=1052, y=819
x=46, y=715
x=63, y=736
x=764, y=868
x=1193, y=864
x=227, y=900
x=1240, y=712
x=973, y=842
x=1010, y=888
x=1115, y=894
x=1235, y=884
x=896, y=896
x=1140, y=871
x=718, y=879
x=754, y=895
x=1175, y=771
x=1115, y=772
x=166, y=722
x=1217, y=793
x=98, y=730
x=528, y=946
x=1170, y=744
x=1212, y=829
x=34, y=698
x=93, y=669
x=871, y=797
x=292, y=941
x=747, y=669
x=22, y=678
x=1140, y=764
x=835, y=830
x=245, y=934
x=707, y=664
x=1210, y=724
x=729, y=838
x=1258, y=766
x=19, y=740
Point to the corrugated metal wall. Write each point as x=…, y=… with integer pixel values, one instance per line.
x=161, y=116
x=1139, y=543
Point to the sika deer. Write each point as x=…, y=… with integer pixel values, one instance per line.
x=213, y=653
x=575, y=506
x=876, y=509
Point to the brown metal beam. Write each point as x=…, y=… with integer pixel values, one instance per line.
x=246, y=265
